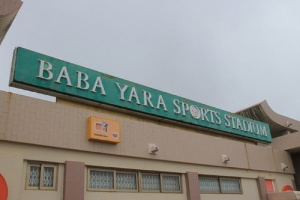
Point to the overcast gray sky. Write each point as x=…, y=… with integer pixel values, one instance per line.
x=228, y=54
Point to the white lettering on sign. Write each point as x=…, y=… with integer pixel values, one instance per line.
x=134, y=97
x=185, y=107
x=122, y=91
x=45, y=67
x=161, y=102
x=45, y=73
x=64, y=74
x=98, y=84
x=140, y=97
x=147, y=99
x=83, y=80
x=177, y=107
x=211, y=116
x=243, y=125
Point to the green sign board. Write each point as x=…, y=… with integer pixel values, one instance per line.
x=49, y=75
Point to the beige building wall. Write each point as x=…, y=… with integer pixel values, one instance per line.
x=17, y=155
x=11, y=169
x=89, y=195
x=37, y=130
x=250, y=192
x=41, y=194
x=287, y=142
x=27, y=120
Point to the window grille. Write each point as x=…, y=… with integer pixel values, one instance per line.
x=126, y=181
x=220, y=185
x=171, y=183
x=230, y=185
x=109, y=180
x=151, y=182
x=101, y=179
x=41, y=176
x=209, y=185
x=34, y=176
x=48, y=177
x=117, y=180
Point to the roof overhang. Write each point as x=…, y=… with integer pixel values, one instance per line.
x=279, y=124
x=8, y=12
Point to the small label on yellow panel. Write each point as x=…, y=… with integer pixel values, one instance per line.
x=105, y=130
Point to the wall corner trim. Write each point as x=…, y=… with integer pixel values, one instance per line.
x=262, y=188
x=74, y=181
x=192, y=186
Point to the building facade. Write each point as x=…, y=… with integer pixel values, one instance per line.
x=36, y=133
x=285, y=132
x=108, y=138
x=40, y=138
x=68, y=150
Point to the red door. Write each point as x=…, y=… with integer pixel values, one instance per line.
x=3, y=188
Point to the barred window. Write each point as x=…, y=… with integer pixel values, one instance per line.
x=41, y=176
x=101, y=179
x=160, y=182
x=209, y=185
x=220, y=185
x=126, y=181
x=150, y=182
x=117, y=180
x=230, y=185
x=170, y=183
x=106, y=180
